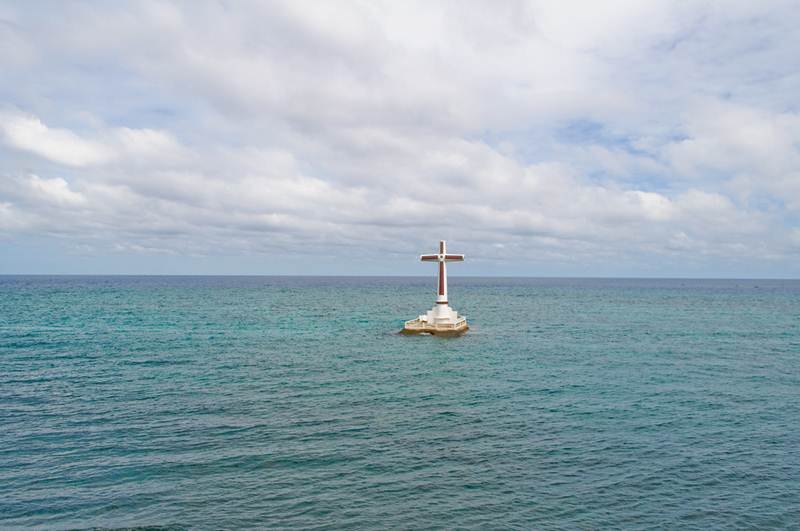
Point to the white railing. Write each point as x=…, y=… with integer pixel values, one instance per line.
x=417, y=324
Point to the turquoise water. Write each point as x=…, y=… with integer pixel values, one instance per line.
x=228, y=402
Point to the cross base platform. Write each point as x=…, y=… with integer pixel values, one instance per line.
x=418, y=326
x=439, y=321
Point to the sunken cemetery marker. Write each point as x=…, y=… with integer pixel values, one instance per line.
x=441, y=319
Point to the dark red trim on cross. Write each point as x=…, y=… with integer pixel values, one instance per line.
x=441, y=246
x=454, y=257
x=429, y=257
x=441, y=302
x=441, y=278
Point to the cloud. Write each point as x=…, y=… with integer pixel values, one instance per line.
x=64, y=146
x=147, y=143
x=654, y=135
x=28, y=133
x=55, y=190
x=732, y=138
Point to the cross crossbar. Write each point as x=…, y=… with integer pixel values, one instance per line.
x=442, y=257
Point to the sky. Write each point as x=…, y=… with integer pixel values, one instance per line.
x=615, y=138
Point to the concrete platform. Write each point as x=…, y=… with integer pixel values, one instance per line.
x=420, y=326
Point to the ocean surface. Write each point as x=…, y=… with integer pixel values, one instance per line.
x=291, y=402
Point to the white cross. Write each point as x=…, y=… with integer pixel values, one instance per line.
x=442, y=257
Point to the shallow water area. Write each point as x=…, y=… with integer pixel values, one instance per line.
x=270, y=402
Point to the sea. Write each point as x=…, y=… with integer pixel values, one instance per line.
x=264, y=402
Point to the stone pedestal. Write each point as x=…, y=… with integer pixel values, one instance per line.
x=439, y=320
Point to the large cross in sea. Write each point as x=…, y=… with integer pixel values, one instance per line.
x=441, y=319
x=442, y=258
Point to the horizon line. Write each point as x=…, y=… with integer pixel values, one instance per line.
x=384, y=276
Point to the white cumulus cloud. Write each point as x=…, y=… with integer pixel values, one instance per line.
x=28, y=133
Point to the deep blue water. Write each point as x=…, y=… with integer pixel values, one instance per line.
x=275, y=402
